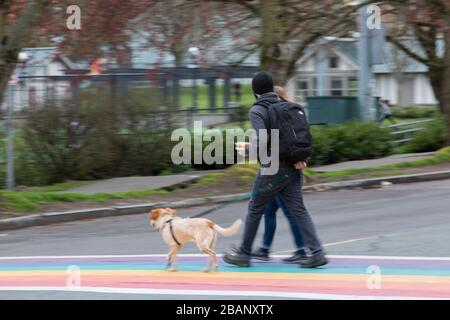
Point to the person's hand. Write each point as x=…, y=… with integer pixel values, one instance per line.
x=242, y=148
x=241, y=151
x=300, y=165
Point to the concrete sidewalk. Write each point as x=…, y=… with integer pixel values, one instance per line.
x=360, y=164
x=157, y=182
x=137, y=183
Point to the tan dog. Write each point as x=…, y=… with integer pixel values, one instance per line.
x=176, y=231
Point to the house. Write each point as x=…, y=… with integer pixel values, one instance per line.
x=32, y=79
x=401, y=80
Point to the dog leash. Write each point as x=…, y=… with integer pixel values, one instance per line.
x=243, y=197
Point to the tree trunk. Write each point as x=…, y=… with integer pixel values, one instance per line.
x=436, y=77
x=8, y=61
x=273, y=41
x=18, y=38
x=445, y=93
x=440, y=82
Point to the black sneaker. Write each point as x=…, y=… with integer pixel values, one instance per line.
x=296, y=257
x=315, y=260
x=261, y=254
x=237, y=258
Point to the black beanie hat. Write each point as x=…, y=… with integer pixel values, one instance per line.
x=262, y=83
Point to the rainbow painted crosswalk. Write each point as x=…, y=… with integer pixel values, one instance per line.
x=345, y=277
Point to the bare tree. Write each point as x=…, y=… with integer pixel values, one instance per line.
x=425, y=22
x=17, y=18
x=287, y=27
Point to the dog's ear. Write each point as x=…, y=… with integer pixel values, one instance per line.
x=171, y=211
x=154, y=214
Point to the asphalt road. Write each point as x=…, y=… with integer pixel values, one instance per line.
x=400, y=220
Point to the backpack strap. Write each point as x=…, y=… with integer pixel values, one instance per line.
x=267, y=104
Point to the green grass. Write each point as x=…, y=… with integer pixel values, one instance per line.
x=209, y=179
x=32, y=199
x=186, y=100
x=146, y=96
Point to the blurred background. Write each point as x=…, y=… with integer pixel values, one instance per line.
x=93, y=91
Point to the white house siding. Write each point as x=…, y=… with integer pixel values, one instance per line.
x=386, y=88
x=38, y=89
x=291, y=87
x=308, y=66
x=423, y=92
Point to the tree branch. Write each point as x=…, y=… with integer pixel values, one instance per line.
x=407, y=50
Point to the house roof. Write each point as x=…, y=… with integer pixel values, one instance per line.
x=397, y=60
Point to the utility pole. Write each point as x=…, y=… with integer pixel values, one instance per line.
x=10, y=139
x=370, y=52
x=364, y=72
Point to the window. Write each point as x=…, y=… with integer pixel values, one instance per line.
x=303, y=85
x=336, y=87
x=353, y=86
x=305, y=88
x=334, y=62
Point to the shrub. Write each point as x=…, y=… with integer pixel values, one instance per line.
x=432, y=138
x=414, y=112
x=105, y=141
x=336, y=143
x=350, y=141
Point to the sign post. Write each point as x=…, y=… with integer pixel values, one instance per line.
x=10, y=180
x=370, y=53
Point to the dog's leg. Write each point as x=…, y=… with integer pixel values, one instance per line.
x=175, y=259
x=171, y=258
x=203, y=246
x=213, y=246
x=212, y=259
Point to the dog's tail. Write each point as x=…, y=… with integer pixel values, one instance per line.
x=230, y=231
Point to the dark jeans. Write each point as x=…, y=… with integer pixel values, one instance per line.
x=270, y=223
x=287, y=183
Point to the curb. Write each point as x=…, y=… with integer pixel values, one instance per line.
x=67, y=216
x=378, y=182
x=75, y=215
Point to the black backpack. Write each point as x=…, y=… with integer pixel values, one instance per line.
x=295, y=139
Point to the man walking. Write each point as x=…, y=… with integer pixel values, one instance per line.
x=286, y=182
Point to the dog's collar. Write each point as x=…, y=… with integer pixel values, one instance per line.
x=169, y=222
